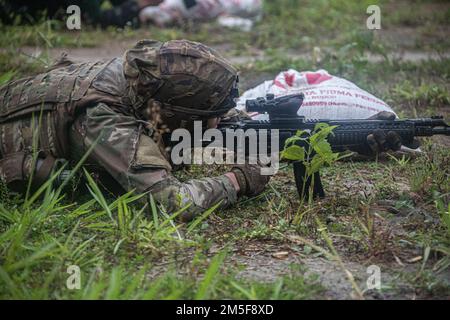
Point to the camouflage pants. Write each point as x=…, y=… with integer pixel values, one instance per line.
x=135, y=161
x=19, y=140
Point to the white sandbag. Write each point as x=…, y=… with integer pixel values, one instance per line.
x=170, y=11
x=326, y=96
x=165, y=13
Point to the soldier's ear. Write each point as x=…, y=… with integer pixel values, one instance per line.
x=143, y=58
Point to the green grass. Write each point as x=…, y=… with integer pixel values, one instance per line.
x=377, y=212
x=300, y=26
x=117, y=245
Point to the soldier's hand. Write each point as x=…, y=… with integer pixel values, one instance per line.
x=382, y=140
x=251, y=181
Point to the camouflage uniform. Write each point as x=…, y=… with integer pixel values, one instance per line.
x=76, y=103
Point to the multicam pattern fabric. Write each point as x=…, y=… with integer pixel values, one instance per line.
x=60, y=85
x=77, y=103
x=179, y=72
x=135, y=161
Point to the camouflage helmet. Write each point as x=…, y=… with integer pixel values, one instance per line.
x=184, y=76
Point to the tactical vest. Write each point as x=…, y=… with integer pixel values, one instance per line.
x=192, y=80
x=61, y=85
x=45, y=106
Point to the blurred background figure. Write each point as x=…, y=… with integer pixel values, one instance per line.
x=96, y=12
x=230, y=13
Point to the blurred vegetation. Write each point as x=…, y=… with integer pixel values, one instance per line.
x=388, y=212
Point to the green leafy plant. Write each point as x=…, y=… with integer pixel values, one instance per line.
x=312, y=150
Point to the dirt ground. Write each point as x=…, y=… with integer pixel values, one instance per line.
x=115, y=49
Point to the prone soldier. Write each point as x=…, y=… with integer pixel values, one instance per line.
x=121, y=99
x=127, y=102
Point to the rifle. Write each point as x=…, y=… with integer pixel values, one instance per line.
x=348, y=134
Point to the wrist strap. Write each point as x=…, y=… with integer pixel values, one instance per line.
x=240, y=177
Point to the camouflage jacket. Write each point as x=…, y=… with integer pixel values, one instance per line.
x=68, y=107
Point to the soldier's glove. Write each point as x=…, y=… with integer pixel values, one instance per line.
x=382, y=140
x=250, y=180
